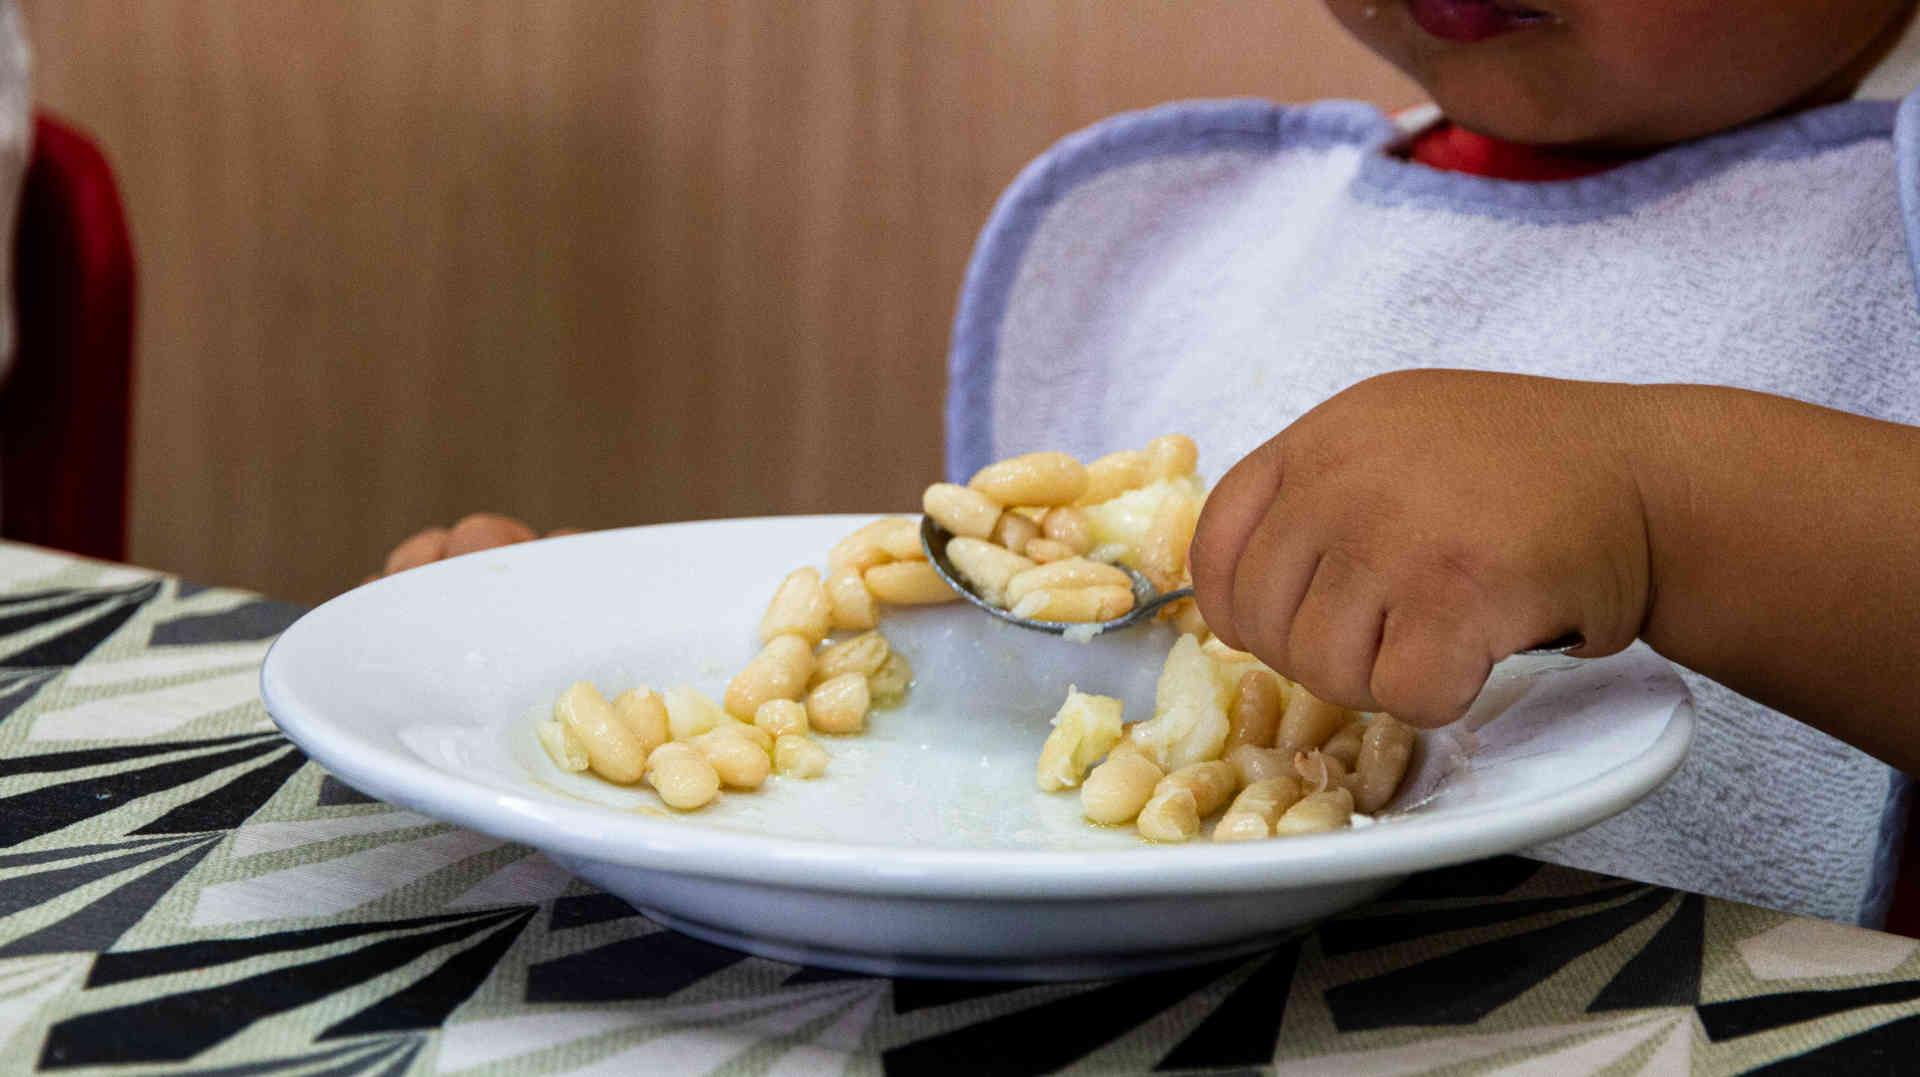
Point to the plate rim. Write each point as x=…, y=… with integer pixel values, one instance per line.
x=547, y=822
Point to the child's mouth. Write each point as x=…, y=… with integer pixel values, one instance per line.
x=1473, y=20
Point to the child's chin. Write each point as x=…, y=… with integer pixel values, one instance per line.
x=1593, y=134
x=1529, y=131
x=1512, y=113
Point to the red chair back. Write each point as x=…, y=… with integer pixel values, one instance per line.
x=66, y=408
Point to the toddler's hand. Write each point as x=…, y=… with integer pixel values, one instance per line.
x=1390, y=546
x=474, y=532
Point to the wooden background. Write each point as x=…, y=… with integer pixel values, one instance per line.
x=592, y=263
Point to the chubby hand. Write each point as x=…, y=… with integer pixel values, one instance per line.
x=473, y=533
x=1390, y=546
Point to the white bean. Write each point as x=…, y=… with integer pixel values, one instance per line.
x=1163, y=549
x=779, y=671
x=682, y=776
x=986, y=566
x=1117, y=789
x=908, y=583
x=1171, y=456
x=853, y=605
x=1211, y=782
x=839, y=705
x=690, y=714
x=962, y=510
x=644, y=715
x=1170, y=816
x=888, y=685
x=1241, y=826
x=561, y=745
x=1114, y=474
x=795, y=755
x=780, y=717
x=800, y=606
x=1316, y=812
x=613, y=752
x=1269, y=797
x=1069, y=527
x=1253, y=813
x=1079, y=604
x=1254, y=716
x=1308, y=721
x=900, y=539
x=1014, y=530
x=1065, y=575
x=1255, y=764
x=1384, y=751
x=1038, y=478
x=861, y=550
x=738, y=761
x=1045, y=551
x=1344, y=745
x=758, y=737
x=863, y=654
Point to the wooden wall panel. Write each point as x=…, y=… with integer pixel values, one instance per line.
x=595, y=263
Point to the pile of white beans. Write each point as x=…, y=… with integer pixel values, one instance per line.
x=1036, y=534
x=822, y=668
x=1227, y=733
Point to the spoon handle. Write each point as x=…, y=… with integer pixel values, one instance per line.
x=1557, y=645
x=1146, y=608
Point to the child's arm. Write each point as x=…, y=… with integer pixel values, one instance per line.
x=1393, y=543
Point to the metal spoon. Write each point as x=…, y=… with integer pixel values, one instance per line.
x=1147, y=599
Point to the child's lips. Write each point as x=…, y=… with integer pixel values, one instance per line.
x=1473, y=20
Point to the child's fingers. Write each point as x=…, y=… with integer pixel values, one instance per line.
x=484, y=531
x=1430, y=666
x=1233, y=510
x=427, y=546
x=1270, y=580
x=1335, y=633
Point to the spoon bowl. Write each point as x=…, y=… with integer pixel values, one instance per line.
x=1147, y=599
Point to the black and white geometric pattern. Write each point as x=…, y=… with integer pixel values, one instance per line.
x=182, y=892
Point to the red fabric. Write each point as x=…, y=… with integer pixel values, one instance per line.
x=1903, y=912
x=66, y=409
x=1456, y=149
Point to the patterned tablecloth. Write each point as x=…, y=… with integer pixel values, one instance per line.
x=181, y=891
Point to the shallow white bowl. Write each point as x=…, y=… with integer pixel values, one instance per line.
x=926, y=849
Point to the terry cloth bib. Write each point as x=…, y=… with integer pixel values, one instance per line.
x=1218, y=268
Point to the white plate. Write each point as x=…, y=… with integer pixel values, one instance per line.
x=925, y=850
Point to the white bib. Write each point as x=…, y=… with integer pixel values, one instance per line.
x=1218, y=268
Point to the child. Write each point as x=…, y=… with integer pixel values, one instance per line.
x=1667, y=191
x=1712, y=209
